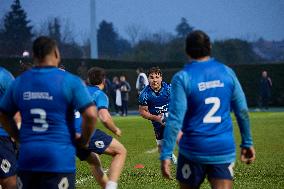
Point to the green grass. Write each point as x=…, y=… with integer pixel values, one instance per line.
x=267, y=172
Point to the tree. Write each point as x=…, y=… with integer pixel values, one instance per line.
x=183, y=28
x=17, y=33
x=107, y=40
x=234, y=51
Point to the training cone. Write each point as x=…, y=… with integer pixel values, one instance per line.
x=139, y=166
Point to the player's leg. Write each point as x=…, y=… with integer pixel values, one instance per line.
x=159, y=140
x=97, y=170
x=8, y=162
x=190, y=175
x=118, y=153
x=101, y=143
x=220, y=176
x=95, y=165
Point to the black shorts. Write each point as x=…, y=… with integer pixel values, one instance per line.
x=45, y=180
x=8, y=160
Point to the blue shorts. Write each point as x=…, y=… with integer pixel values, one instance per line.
x=45, y=180
x=100, y=141
x=8, y=159
x=193, y=174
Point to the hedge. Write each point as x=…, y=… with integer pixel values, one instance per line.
x=248, y=75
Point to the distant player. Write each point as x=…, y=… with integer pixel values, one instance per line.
x=46, y=98
x=154, y=103
x=7, y=148
x=202, y=95
x=101, y=143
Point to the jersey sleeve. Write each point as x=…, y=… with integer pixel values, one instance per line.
x=102, y=101
x=77, y=93
x=143, y=98
x=240, y=108
x=7, y=103
x=177, y=110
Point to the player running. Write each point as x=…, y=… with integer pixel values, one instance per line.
x=202, y=96
x=154, y=102
x=101, y=143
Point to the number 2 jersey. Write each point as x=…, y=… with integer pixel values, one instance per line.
x=46, y=98
x=203, y=94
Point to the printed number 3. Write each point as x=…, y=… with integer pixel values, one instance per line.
x=41, y=120
x=210, y=118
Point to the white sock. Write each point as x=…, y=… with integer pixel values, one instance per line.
x=111, y=185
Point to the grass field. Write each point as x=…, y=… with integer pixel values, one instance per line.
x=267, y=172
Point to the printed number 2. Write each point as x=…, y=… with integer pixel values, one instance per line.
x=210, y=118
x=41, y=120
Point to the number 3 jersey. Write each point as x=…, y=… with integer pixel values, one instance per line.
x=157, y=102
x=203, y=94
x=46, y=98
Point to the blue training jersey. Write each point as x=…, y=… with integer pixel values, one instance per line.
x=6, y=79
x=46, y=98
x=157, y=102
x=203, y=94
x=99, y=98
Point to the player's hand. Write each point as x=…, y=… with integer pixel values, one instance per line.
x=166, y=168
x=248, y=155
x=160, y=118
x=118, y=132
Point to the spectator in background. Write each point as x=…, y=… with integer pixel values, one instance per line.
x=142, y=80
x=82, y=71
x=25, y=63
x=125, y=89
x=265, y=86
x=115, y=92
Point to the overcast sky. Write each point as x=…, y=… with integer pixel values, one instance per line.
x=221, y=19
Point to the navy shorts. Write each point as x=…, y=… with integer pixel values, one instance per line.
x=43, y=180
x=193, y=174
x=159, y=132
x=100, y=141
x=8, y=159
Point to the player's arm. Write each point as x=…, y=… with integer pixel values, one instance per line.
x=9, y=125
x=239, y=106
x=89, y=116
x=177, y=110
x=144, y=112
x=107, y=120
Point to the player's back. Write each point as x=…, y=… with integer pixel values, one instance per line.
x=207, y=126
x=44, y=99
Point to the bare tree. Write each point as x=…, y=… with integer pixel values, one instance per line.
x=133, y=31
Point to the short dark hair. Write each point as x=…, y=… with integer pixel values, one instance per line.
x=198, y=44
x=43, y=46
x=155, y=70
x=96, y=75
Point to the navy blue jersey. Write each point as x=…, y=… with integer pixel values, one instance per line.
x=157, y=102
x=203, y=94
x=6, y=80
x=99, y=98
x=46, y=98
